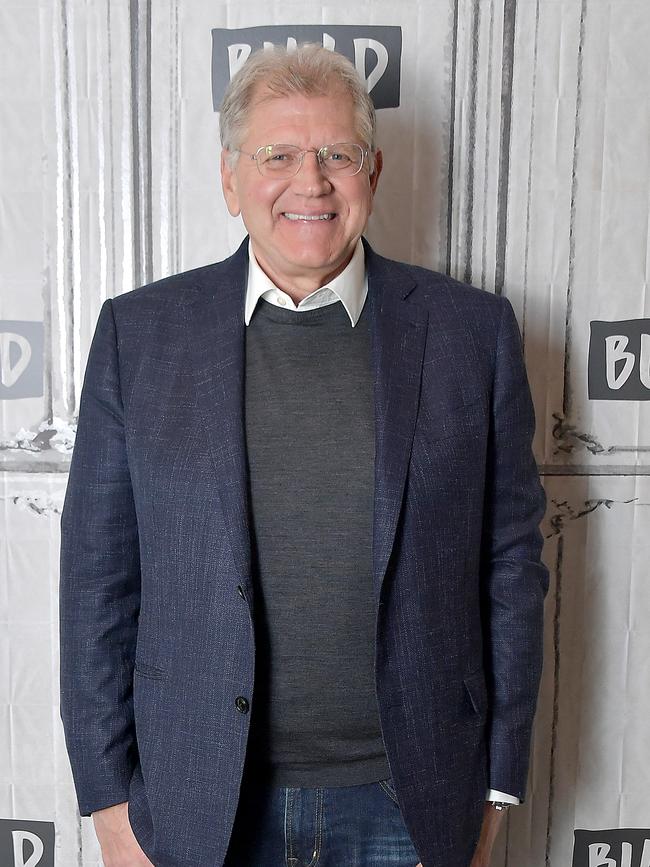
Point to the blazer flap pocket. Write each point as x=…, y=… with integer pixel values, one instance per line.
x=148, y=669
x=476, y=689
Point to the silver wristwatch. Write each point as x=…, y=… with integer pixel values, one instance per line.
x=501, y=805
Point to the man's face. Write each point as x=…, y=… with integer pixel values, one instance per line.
x=297, y=252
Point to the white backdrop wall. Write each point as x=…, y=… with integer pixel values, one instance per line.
x=517, y=159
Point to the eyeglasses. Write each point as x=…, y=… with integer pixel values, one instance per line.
x=342, y=159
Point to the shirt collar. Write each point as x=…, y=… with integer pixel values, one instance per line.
x=350, y=287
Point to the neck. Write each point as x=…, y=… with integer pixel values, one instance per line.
x=301, y=285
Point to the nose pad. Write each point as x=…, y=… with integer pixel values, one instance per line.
x=311, y=172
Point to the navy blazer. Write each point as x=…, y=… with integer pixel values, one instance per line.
x=156, y=592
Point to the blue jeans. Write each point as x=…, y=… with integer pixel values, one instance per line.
x=343, y=826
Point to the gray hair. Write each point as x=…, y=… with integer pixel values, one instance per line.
x=309, y=70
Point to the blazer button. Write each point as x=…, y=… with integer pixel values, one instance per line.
x=240, y=591
x=241, y=704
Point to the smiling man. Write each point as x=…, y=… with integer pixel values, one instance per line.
x=301, y=587
x=305, y=198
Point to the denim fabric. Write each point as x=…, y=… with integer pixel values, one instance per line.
x=355, y=826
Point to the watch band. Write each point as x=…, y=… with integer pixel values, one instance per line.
x=501, y=805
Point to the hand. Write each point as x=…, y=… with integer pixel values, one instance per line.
x=492, y=819
x=119, y=845
x=489, y=829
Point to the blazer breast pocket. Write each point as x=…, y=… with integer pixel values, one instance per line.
x=457, y=421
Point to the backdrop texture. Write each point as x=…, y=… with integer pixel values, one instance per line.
x=516, y=158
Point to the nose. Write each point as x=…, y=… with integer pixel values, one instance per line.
x=310, y=179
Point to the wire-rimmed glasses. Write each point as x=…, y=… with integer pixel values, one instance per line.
x=342, y=159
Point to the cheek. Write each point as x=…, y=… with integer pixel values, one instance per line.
x=259, y=199
x=359, y=201
x=358, y=212
x=267, y=195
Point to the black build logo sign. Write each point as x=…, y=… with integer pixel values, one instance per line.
x=375, y=50
x=619, y=847
x=619, y=360
x=26, y=843
x=21, y=361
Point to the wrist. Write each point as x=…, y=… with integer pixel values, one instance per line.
x=501, y=807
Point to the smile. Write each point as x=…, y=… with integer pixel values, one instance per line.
x=311, y=217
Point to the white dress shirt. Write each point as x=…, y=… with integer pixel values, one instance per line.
x=350, y=287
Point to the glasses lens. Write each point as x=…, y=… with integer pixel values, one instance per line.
x=283, y=161
x=279, y=160
x=344, y=158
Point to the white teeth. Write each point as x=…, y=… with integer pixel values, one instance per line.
x=290, y=216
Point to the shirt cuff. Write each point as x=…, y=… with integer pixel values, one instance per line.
x=495, y=795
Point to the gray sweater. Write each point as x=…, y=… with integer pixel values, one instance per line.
x=310, y=441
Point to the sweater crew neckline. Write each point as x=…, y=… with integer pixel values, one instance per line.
x=328, y=313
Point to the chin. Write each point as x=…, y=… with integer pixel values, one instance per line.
x=312, y=258
x=313, y=250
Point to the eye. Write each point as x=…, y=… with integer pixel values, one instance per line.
x=273, y=155
x=340, y=156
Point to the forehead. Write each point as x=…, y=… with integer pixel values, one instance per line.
x=298, y=117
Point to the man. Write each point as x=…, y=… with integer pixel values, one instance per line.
x=301, y=589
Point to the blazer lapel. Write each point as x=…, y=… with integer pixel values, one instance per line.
x=216, y=335
x=399, y=332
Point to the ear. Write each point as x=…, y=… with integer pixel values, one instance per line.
x=374, y=177
x=229, y=184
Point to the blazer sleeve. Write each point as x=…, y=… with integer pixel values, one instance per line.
x=514, y=581
x=99, y=588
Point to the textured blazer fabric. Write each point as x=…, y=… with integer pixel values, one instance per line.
x=157, y=593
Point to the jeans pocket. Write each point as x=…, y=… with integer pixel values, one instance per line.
x=389, y=787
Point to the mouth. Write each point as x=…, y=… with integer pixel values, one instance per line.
x=323, y=217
